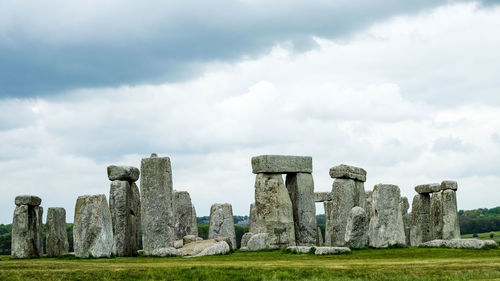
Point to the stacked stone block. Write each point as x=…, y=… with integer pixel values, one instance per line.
x=27, y=241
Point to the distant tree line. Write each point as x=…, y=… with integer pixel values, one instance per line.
x=479, y=220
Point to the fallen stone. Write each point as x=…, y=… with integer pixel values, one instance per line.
x=166, y=252
x=156, y=204
x=300, y=249
x=123, y=173
x=445, y=185
x=274, y=210
x=178, y=243
x=301, y=190
x=183, y=214
x=386, y=224
x=29, y=200
x=436, y=216
x=227, y=240
x=245, y=238
x=281, y=164
x=322, y=196
x=461, y=244
x=332, y=250
x=420, y=219
x=222, y=222
x=348, y=172
x=219, y=248
x=57, y=237
x=92, y=229
x=451, y=226
x=27, y=232
x=188, y=239
x=258, y=242
x=428, y=188
x=205, y=247
x=356, y=234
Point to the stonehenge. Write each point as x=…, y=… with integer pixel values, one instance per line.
x=57, y=238
x=27, y=240
x=301, y=190
x=184, y=215
x=356, y=234
x=222, y=223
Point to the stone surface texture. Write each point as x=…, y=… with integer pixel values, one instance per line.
x=123, y=173
x=436, y=216
x=183, y=214
x=29, y=200
x=252, y=219
x=222, y=222
x=194, y=222
x=274, y=210
x=319, y=237
x=453, y=185
x=451, y=227
x=281, y=164
x=322, y=196
x=428, y=188
x=27, y=241
x=386, y=224
x=328, y=207
x=332, y=250
x=356, y=234
x=348, y=172
x=166, y=252
x=420, y=219
x=92, y=229
x=245, y=238
x=300, y=187
x=258, y=242
x=57, y=237
x=188, y=239
x=156, y=204
x=404, y=206
x=344, y=199
x=460, y=244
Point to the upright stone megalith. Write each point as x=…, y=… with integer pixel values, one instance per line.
x=92, y=229
x=301, y=190
x=222, y=223
x=194, y=222
x=252, y=220
x=420, y=231
x=386, y=224
x=356, y=234
x=436, y=216
x=183, y=214
x=156, y=204
x=404, y=206
x=328, y=206
x=27, y=228
x=57, y=237
x=451, y=227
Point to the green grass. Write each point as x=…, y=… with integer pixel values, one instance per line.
x=366, y=264
x=485, y=236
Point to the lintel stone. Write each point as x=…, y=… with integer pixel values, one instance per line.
x=29, y=200
x=281, y=164
x=428, y=188
x=453, y=185
x=343, y=171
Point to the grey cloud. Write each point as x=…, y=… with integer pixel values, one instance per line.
x=450, y=143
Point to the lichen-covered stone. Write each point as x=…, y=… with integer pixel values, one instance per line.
x=245, y=238
x=301, y=190
x=386, y=224
x=27, y=231
x=183, y=214
x=356, y=234
x=205, y=247
x=331, y=250
x=166, y=252
x=92, y=229
x=420, y=219
x=222, y=222
x=258, y=242
x=156, y=204
x=178, y=243
x=322, y=196
x=453, y=185
x=436, y=216
x=344, y=199
x=348, y=172
x=274, y=210
x=188, y=239
x=219, y=248
x=252, y=220
x=404, y=206
x=428, y=188
x=57, y=237
x=451, y=226
x=29, y=200
x=123, y=173
x=328, y=206
x=461, y=244
x=281, y=164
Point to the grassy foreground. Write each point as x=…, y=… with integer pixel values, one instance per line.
x=366, y=264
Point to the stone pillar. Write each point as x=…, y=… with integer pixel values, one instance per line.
x=328, y=206
x=356, y=234
x=420, y=231
x=451, y=226
x=92, y=229
x=386, y=224
x=301, y=190
x=252, y=219
x=57, y=237
x=319, y=237
x=222, y=223
x=404, y=206
x=27, y=228
x=183, y=214
x=436, y=216
x=194, y=222
x=156, y=204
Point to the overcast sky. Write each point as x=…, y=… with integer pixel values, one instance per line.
x=408, y=90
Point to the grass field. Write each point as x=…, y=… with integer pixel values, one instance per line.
x=366, y=264
x=485, y=235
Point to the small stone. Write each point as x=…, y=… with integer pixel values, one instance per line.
x=322, y=196
x=428, y=188
x=188, y=239
x=245, y=238
x=281, y=164
x=332, y=250
x=29, y=200
x=166, y=252
x=348, y=172
x=57, y=237
x=222, y=222
x=123, y=173
x=453, y=185
x=356, y=234
x=460, y=244
x=258, y=242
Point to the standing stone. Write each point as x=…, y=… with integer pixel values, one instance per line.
x=156, y=204
x=92, y=229
x=386, y=224
x=183, y=214
x=244, y=239
x=319, y=237
x=281, y=164
x=451, y=227
x=404, y=206
x=436, y=216
x=348, y=172
x=344, y=199
x=222, y=223
x=194, y=222
x=27, y=228
x=301, y=190
x=356, y=234
x=135, y=214
x=57, y=237
x=328, y=206
x=274, y=210
x=123, y=207
x=123, y=173
x=252, y=220
x=360, y=194
x=420, y=219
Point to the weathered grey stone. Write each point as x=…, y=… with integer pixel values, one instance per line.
x=178, y=243
x=123, y=207
x=332, y=250
x=348, y=172
x=356, y=234
x=27, y=232
x=123, y=173
x=199, y=239
x=451, y=227
x=57, y=237
x=252, y=220
x=205, y=247
x=219, y=248
x=328, y=206
x=188, y=239
x=301, y=190
x=222, y=222
x=92, y=229
x=227, y=240
x=319, y=237
x=368, y=210
x=322, y=196
x=194, y=222
x=258, y=242
x=166, y=252
x=344, y=199
x=300, y=249
x=460, y=244
x=156, y=204
x=428, y=188
x=404, y=206
x=436, y=216
x=274, y=210
x=420, y=219
x=135, y=214
x=183, y=214
x=453, y=185
x=245, y=238
x=30, y=200
x=281, y=164
x=386, y=224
